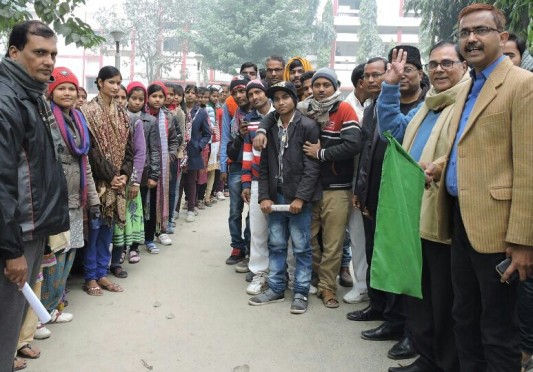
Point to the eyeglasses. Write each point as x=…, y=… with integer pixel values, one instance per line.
x=445, y=64
x=478, y=31
x=277, y=70
x=374, y=75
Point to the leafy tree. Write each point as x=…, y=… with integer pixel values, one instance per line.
x=230, y=32
x=152, y=24
x=439, y=18
x=58, y=13
x=519, y=17
x=370, y=43
x=324, y=36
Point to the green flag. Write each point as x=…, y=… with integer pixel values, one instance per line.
x=397, y=258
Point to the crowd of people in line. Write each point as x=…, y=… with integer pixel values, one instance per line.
x=106, y=176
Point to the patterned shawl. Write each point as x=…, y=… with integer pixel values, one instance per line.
x=187, y=137
x=109, y=127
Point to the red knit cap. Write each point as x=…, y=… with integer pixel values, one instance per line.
x=62, y=75
x=165, y=90
x=133, y=85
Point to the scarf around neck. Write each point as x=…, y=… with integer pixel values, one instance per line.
x=437, y=101
x=16, y=71
x=319, y=111
x=444, y=102
x=35, y=91
x=109, y=127
x=80, y=151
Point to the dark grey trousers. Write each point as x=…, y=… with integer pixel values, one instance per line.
x=13, y=305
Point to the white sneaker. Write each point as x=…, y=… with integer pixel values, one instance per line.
x=164, y=239
x=42, y=332
x=354, y=297
x=313, y=290
x=60, y=317
x=258, y=284
x=220, y=196
x=190, y=217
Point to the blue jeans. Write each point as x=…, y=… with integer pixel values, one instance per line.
x=236, y=207
x=96, y=252
x=297, y=227
x=346, y=251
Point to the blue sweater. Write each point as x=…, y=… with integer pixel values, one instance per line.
x=390, y=118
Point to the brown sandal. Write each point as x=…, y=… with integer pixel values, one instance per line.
x=109, y=286
x=28, y=352
x=328, y=299
x=93, y=291
x=19, y=364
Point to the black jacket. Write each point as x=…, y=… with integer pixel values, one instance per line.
x=175, y=137
x=234, y=149
x=300, y=173
x=371, y=162
x=152, y=164
x=33, y=188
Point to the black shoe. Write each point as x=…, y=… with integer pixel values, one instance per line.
x=383, y=333
x=404, y=349
x=417, y=366
x=365, y=315
x=236, y=256
x=249, y=277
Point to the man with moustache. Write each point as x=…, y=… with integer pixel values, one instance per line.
x=306, y=79
x=274, y=67
x=487, y=194
x=33, y=189
x=251, y=158
x=296, y=66
x=425, y=135
x=384, y=305
x=233, y=169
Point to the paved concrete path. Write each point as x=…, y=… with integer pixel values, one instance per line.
x=185, y=310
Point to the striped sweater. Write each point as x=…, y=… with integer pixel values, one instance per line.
x=340, y=142
x=251, y=158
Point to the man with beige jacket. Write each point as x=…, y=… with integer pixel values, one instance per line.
x=487, y=194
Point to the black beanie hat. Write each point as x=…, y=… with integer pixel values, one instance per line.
x=285, y=86
x=413, y=55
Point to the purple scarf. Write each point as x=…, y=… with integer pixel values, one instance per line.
x=80, y=151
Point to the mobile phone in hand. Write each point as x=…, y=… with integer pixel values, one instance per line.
x=502, y=266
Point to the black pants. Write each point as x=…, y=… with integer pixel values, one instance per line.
x=188, y=185
x=216, y=184
x=525, y=313
x=430, y=319
x=150, y=224
x=484, y=310
x=389, y=304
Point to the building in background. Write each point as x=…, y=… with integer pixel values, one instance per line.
x=393, y=26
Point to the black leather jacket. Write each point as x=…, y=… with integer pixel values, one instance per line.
x=33, y=188
x=301, y=174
